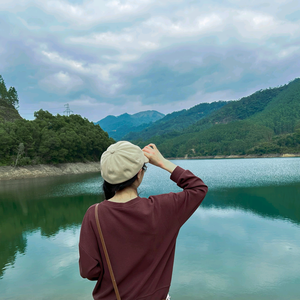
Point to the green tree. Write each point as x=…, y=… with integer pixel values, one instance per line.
x=9, y=96
x=12, y=97
x=3, y=90
x=20, y=153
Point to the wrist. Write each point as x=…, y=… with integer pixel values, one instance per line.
x=169, y=166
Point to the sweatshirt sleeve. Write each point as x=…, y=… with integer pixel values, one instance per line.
x=90, y=263
x=186, y=202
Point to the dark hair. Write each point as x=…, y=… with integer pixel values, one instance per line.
x=111, y=189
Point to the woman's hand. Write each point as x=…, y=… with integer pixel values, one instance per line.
x=156, y=158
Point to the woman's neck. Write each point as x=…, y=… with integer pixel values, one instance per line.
x=125, y=195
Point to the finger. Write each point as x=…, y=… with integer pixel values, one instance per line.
x=148, y=150
x=147, y=155
x=149, y=147
x=152, y=146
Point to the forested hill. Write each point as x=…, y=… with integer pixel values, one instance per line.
x=175, y=121
x=51, y=139
x=119, y=126
x=267, y=121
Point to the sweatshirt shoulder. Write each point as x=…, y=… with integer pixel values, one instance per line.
x=90, y=211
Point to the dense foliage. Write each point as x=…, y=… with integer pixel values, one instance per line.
x=286, y=143
x=51, y=139
x=282, y=115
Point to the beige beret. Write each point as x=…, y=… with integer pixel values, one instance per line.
x=121, y=162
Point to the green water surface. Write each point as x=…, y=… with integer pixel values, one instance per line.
x=242, y=243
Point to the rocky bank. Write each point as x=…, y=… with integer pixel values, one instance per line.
x=7, y=173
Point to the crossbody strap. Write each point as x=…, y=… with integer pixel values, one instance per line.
x=112, y=276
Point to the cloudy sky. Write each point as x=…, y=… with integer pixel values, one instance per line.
x=111, y=57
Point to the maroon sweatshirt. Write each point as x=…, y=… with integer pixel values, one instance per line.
x=140, y=237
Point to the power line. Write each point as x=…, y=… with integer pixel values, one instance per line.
x=68, y=111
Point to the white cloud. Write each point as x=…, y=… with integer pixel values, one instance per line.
x=186, y=26
x=86, y=101
x=151, y=34
x=137, y=43
x=256, y=25
x=101, y=70
x=102, y=109
x=61, y=83
x=56, y=58
x=87, y=14
x=102, y=76
x=288, y=51
x=128, y=40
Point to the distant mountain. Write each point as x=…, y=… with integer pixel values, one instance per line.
x=267, y=121
x=119, y=126
x=176, y=121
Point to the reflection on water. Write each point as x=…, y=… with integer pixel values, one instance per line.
x=235, y=254
x=28, y=205
x=242, y=243
x=267, y=201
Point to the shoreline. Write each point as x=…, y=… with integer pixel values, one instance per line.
x=11, y=173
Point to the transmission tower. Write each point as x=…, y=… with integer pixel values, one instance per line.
x=68, y=111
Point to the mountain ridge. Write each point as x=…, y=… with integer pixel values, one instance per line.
x=176, y=121
x=118, y=126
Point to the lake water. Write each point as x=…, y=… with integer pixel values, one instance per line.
x=242, y=243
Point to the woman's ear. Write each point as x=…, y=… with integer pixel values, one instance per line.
x=140, y=174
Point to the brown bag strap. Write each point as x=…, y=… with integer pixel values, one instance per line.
x=112, y=276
